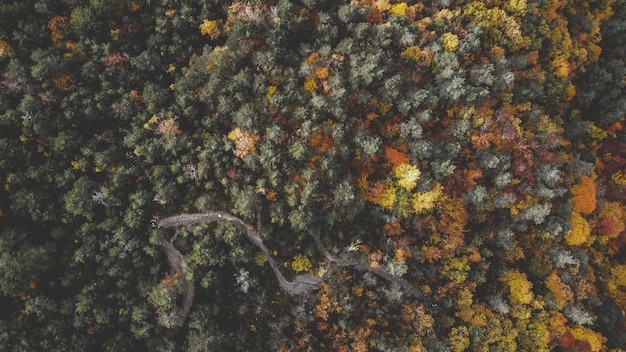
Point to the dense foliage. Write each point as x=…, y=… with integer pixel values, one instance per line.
x=450, y=174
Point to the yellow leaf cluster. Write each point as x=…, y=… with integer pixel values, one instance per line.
x=445, y=14
x=211, y=28
x=411, y=53
x=426, y=201
x=382, y=5
x=5, y=48
x=450, y=41
x=456, y=269
x=399, y=9
x=301, y=263
x=310, y=86
x=483, y=16
x=595, y=339
x=616, y=283
x=459, y=339
x=619, y=178
x=580, y=230
x=77, y=166
x=245, y=143
x=517, y=7
x=407, y=176
x=270, y=92
x=388, y=198
x=560, y=67
x=133, y=6
x=520, y=287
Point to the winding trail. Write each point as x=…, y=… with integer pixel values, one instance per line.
x=301, y=285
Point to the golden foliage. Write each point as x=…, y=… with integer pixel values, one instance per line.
x=321, y=141
x=458, y=339
x=595, y=339
x=407, y=176
x=211, y=28
x=245, y=143
x=580, y=230
x=310, y=85
x=301, y=263
x=560, y=67
x=326, y=303
x=411, y=53
x=456, y=270
x=388, y=198
x=450, y=41
x=399, y=9
x=517, y=7
x=430, y=253
x=615, y=284
x=5, y=48
x=425, y=201
x=520, y=287
x=399, y=254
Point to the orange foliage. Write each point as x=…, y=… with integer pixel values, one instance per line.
x=430, y=253
x=393, y=228
x=59, y=26
x=395, y=157
x=562, y=292
x=326, y=303
x=321, y=141
x=475, y=315
x=474, y=254
x=453, y=218
x=557, y=323
x=374, y=259
x=135, y=96
x=375, y=192
x=584, y=196
x=64, y=82
x=402, y=255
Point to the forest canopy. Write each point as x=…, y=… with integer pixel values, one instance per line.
x=312, y=175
